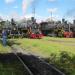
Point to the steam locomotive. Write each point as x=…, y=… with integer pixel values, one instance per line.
x=29, y=29
x=58, y=29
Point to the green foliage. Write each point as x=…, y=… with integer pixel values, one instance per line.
x=64, y=57
x=12, y=68
x=2, y=23
x=59, y=31
x=65, y=62
x=52, y=58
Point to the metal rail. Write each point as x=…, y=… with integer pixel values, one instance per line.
x=25, y=66
x=41, y=62
x=51, y=66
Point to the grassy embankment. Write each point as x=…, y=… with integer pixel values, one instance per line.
x=42, y=47
x=4, y=49
x=47, y=45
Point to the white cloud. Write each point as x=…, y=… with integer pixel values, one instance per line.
x=4, y=17
x=13, y=14
x=56, y=17
x=37, y=17
x=52, y=10
x=9, y=1
x=25, y=4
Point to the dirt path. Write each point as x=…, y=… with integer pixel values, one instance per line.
x=67, y=43
x=62, y=41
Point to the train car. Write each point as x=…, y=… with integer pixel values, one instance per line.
x=65, y=29
x=68, y=34
x=27, y=29
x=34, y=31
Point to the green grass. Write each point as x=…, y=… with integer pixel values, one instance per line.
x=47, y=45
x=43, y=47
x=12, y=68
x=5, y=49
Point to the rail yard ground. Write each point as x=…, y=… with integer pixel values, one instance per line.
x=42, y=47
x=47, y=45
x=39, y=47
x=5, y=49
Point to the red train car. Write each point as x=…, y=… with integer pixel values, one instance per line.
x=36, y=36
x=68, y=34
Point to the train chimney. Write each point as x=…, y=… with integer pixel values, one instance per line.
x=74, y=22
x=63, y=20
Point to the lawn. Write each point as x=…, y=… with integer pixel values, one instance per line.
x=41, y=47
x=44, y=47
x=4, y=49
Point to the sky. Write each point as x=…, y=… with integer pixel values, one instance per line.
x=43, y=8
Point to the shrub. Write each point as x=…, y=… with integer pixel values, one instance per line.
x=64, y=62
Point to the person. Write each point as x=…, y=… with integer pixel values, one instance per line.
x=4, y=37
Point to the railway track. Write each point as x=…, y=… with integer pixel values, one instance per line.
x=25, y=66
x=13, y=65
x=36, y=66
x=22, y=62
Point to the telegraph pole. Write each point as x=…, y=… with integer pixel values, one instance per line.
x=33, y=9
x=69, y=28
x=51, y=16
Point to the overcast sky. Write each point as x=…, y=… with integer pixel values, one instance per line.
x=23, y=8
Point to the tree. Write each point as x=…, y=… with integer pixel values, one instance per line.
x=2, y=23
x=59, y=31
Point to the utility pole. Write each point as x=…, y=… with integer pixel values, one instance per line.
x=33, y=12
x=33, y=9
x=51, y=16
x=69, y=27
